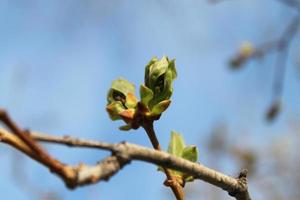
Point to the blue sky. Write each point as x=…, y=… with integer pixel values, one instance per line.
x=58, y=58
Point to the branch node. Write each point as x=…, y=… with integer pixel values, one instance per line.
x=243, y=174
x=241, y=191
x=121, y=153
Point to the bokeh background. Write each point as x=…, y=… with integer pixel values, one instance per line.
x=58, y=59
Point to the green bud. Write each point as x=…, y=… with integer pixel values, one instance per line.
x=123, y=91
x=177, y=148
x=146, y=95
x=121, y=102
x=160, y=107
x=176, y=144
x=190, y=153
x=114, y=109
x=125, y=127
x=159, y=76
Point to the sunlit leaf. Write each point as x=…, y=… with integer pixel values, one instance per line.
x=176, y=144
x=190, y=153
x=160, y=107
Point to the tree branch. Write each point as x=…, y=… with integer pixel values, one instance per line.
x=281, y=46
x=125, y=152
x=73, y=176
x=295, y=4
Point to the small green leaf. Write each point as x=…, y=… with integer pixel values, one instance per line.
x=157, y=69
x=159, y=76
x=177, y=148
x=146, y=95
x=160, y=107
x=114, y=109
x=173, y=68
x=147, y=70
x=119, y=90
x=125, y=127
x=131, y=100
x=190, y=153
x=128, y=115
x=189, y=179
x=176, y=144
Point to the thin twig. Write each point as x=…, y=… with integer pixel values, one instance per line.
x=281, y=45
x=73, y=176
x=295, y=4
x=283, y=48
x=37, y=151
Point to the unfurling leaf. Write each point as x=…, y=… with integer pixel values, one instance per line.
x=176, y=144
x=160, y=107
x=190, y=153
x=177, y=148
x=125, y=127
x=114, y=109
x=120, y=90
x=121, y=102
x=128, y=115
x=146, y=95
x=159, y=76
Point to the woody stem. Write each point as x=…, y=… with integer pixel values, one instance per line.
x=175, y=186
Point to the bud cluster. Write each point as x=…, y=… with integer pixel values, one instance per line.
x=155, y=95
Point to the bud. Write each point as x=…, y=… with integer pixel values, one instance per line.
x=245, y=52
x=155, y=95
x=246, y=49
x=274, y=110
x=121, y=101
x=178, y=148
x=159, y=76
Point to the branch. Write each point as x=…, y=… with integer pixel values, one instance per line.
x=295, y=4
x=281, y=46
x=82, y=174
x=125, y=152
x=73, y=176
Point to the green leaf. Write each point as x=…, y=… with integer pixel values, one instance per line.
x=190, y=153
x=159, y=76
x=189, y=179
x=176, y=144
x=128, y=115
x=147, y=70
x=119, y=90
x=114, y=109
x=160, y=107
x=157, y=69
x=123, y=86
x=146, y=95
x=173, y=68
x=131, y=100
x=177, y=148
x=125, y=127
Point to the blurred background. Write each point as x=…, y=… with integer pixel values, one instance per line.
x=58, y=59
